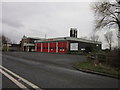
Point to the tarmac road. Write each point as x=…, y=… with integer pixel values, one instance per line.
x=53, y=71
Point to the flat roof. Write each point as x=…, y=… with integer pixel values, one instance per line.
x=67, y=39
x=37, y=38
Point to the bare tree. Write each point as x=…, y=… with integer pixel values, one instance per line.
x=5, y=41
x=94, y=37
x=107, y=15
x=109, y=38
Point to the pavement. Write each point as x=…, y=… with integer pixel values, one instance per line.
x=98, y=73
x=53, y=71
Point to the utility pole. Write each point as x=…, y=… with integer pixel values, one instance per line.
x=45, y=36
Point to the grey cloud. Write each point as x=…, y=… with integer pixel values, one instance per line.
x=53, y=19
x=13, y=22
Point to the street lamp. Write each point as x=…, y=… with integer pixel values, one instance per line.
x=96, y=54
x=97, y=46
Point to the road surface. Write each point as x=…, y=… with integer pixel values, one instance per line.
x=52, y=71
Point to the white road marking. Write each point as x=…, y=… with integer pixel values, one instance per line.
x=20, y=78
x=14, y=80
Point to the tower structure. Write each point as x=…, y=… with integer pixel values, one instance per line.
x=73, y=32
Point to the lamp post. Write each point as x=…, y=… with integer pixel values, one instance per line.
x=96, y=61
x=97, y=46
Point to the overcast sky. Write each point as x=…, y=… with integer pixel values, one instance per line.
x=35, y=19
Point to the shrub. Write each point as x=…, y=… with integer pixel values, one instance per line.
x=113, y=58
x=88, y=49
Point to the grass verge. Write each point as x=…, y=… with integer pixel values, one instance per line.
x=102, y=68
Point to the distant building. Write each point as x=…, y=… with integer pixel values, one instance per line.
x=6, y=46
x=5, y=43
x=11, y=47
x=27, y=43
x=15, y=47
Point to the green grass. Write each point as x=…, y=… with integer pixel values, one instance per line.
x=89, y=65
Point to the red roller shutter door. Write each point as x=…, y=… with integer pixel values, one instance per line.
x=62, y=47
x=38, y=47
x=45, y=47
x=53, y=47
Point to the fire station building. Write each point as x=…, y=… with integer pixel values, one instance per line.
x=64, y=44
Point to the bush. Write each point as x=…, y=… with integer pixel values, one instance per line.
x=75, y=52
x=113, y=58
x=102, y=57
x=110, y=58
x=88, y=49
